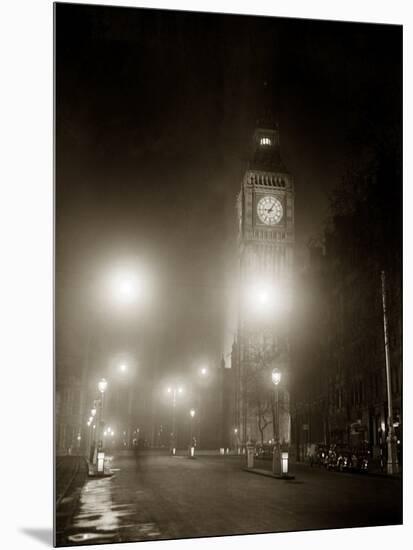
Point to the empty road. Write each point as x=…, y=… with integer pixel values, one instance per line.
x=155, y=496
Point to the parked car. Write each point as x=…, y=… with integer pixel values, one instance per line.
x=338, y=457
x=320, y=454
x=345, y=459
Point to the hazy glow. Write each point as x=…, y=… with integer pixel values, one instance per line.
x=102, y=385
x=93, y=412
x=265, y=299
x=276, y=377
x=261, y=295
x=180, y=390
x=125, y=287
x=123, y=367
x=192, y=412
x=204, y=371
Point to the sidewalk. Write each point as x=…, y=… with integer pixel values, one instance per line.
x=265, y=466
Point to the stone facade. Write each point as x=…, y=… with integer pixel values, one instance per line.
x=265, y=261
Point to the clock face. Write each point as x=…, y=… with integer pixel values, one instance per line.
x=269, y=210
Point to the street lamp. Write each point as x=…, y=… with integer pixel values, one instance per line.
x=174, y=391
x=276, y=377
x=204, y=375
x=392, y=460
x=191, y=439
x=236, y=440
x=126, y=287
x=102, y=386
x=276, y=457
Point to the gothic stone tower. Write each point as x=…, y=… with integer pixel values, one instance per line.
x=266, y=240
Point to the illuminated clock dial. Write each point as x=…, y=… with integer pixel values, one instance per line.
x=269, y=210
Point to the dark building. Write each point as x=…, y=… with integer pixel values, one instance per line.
x=309, y=344
x=339, y=392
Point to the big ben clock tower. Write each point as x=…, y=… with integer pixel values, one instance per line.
x=265, y=207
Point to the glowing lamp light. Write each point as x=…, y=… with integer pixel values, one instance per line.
x=192, y=413
x=204, y=371
x=180, y=390
x=169, y=390
x=260, y=297
x=123, y=367
x=102, y=385
x=263, y=297
x=235, y=430
x=93, y=412
x=276, y=377
x=284, y=463
x=125, y=288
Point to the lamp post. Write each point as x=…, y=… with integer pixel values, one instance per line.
x=92, y=442
x=392, y=462
x=236, y=439
x=102, y=386
x=203, y=374
x=191, y=439
x=174, y=391
x=276, y=457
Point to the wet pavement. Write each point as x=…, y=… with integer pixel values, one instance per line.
x=162, y=497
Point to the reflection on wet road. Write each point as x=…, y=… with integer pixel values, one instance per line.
x=100, y=519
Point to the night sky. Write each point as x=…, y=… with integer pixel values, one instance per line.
x=155, y=112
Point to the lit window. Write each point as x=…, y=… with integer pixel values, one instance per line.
x=265, y=141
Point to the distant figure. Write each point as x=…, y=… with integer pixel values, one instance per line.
x=92, y=451
x=383, y=457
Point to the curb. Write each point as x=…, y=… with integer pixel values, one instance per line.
x=267, y=473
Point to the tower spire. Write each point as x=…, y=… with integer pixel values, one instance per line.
x=267, y=117
x=266, y=141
